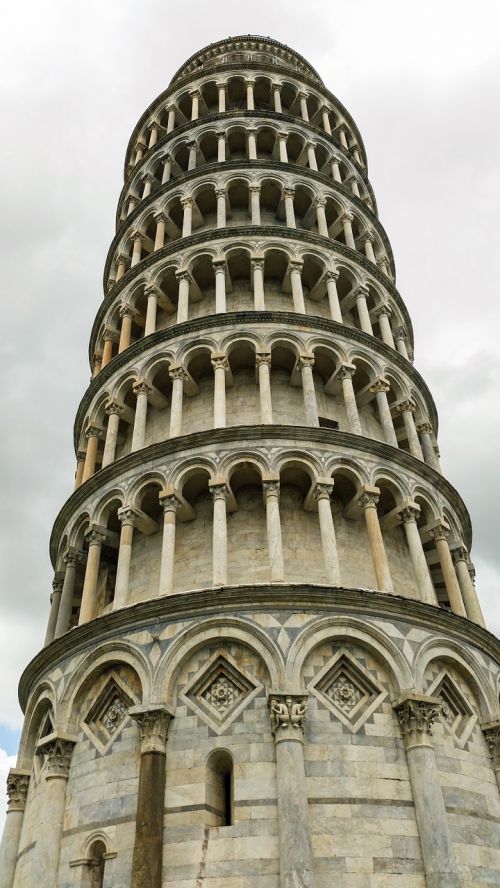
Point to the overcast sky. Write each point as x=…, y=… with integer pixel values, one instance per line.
x=421, y=80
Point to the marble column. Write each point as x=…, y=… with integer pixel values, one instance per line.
x=126, y=314
x=147, y=860
x=148, y=181
x=57, y=750
x=170, y=506
x=193, y=151
x=296, y=284
x=346, y=221
x=277, y=98
x=220, y=285
x=93, y=435
x=469, y=595
x=491, y=733
x=441, y=535
x=345, y=374
x=71, y=559
x=95, y=537
x=17, y=790
x=167, y=169
x=322, y=494
x=416, y=714
x=153, y=136
x=137, y=251
x=336, y=170
x=343, y=137
x=368, y=501
x=113, y=411
x=171, y=118
x=184, y=280
x=255, y=204
x=333, y=296
x=221, y=147
x=406, y=410
x=425, y=431
x=263, y=362
x=55, y=602
x=107, y=352
x=187, y=216
x=282, y=140
x=383, y=314
x=250, y=97
x=353, y=182
x=321, y=218
x=178, y=376
x=287, y=712
x=271, y=490
x=80, y=465
x=151, y=294
x=288, y=195
x=159, y=241
x=220, y=194
x=311, y=156
x=409, y=516
x=326, y=120
x=195, y=104
x=221, y=367
x=368, y=244
x=252, y=143
x=400, y=338
x=142, y=391
x=306, y=363
x=257, y=268
x=380, y=387
x=127, y=517
x=221, y=87
x=219, y=538
x=362, y=309
x=121, y=266
x=303, y=106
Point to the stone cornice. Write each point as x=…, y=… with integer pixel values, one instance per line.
x=161, y=99
x=225, y=602
x=164, y=450
x=259, y=232
x=243, y=114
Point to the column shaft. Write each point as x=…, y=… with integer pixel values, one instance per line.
x=328, y=538
x=166, y=587
x=141, y=410
x=111, y=438
x=363, y=313
x=351, y=407
x=55, y=603
x=449, y=575
x=333, y=296
x=384, y=413
x=309, y=392
x=297, y=292
x=219, y=540
x=220, y=366
x=183, y=298
x=273, y=523
x=377, y=548
x=420, y=566
x=66, y=605
x=257, y=266
x=124, y=559
x=177, y=375
x=89, y=594
x=90, y=456
x=220, y=287
x=266, y=407
x=151, y=309
x=469, y=594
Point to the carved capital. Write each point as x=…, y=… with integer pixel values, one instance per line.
x=17, y=789
x=491, y=733
x=288, y=192
x=141, y=387
x=346, y=217
x=380, y=385
x=263, y=358
x=424, y=428
x=323, y=490
x=271, y=488
x=220, y=193
x=113, y=407
x=460, y=554
x=257, y=264
x=407, y=406
x=153, y=722
x=416, y=714
x=183, y=276
x=170, y=503
x=346, y=371
x=441, y=532
x=287, y=713
x=57, y=750
x=410, y=513
x=400, y=333
x=384, y=309
x=127, y=516
x=94, y=432
x=368, y=500
x=96, y=535
x=306, y=361
x=332, y=275
x=219, y=491
x=220, y=362
x=187, y=202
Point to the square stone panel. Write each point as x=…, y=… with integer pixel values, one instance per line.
x=107, y=715
x=346, y=688
x=219, y=691
x=457, y=715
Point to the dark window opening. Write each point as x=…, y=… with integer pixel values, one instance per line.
x=325, y=423
x=219, y=796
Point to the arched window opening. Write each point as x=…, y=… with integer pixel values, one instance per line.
x=219, y=797
x=96, y=864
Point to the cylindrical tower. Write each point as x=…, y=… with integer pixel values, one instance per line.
x=265, y=660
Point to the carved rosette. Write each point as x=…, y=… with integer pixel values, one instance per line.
x=17, y=789
x=57, y=751
x=153, y=722
x=287, y=713
x=417, y=713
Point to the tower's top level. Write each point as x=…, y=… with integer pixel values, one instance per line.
x=244, y=49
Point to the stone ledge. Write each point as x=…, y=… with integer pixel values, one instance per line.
x=226, y=601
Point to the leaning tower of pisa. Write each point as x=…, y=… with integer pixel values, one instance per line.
x=265, y=661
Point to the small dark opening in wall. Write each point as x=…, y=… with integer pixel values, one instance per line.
x=325, y=423
x=219, y=789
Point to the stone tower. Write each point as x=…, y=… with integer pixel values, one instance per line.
x=265, y=661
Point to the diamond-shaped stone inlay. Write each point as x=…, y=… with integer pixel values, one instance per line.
x=457, y=715
x=220, y=690
x=345, y=687
x=106, y=717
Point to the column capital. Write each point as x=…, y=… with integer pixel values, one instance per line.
x=289, y=192
x=296, y=265
x=370, y=234
x=491, y=731
x=332, y=275
x=58, y=581
x=417, y=713
x=137, y=235
x=407, y=406
x=114, y=407
x=346, y=217
x=282, y=135
x=72, y=558
x=17, y=789
x=257, y=264
x=263, y=358
x=96, y=535
x=219, y=491
x=148, y=177
x=323, y=490
x=305, y=360
x=183, y=275
x=153, y=721
x=221, y=134
x=254, y=188
x=195, y=92
x=193, y=143
x=221, y=191
x=271, y=487
x=127, y=311
x=187, y=201
x=346, y=371
x=440, y=532
x=249, y=81
x=320, y=202
x=425, y=428
x=170, y=502
x=219, y=362
x=219, y=266
x=460, y=553
x=287, y=711
x=303, y=94
x=380, y=385
x=176, y=371
x=400, y=333
x=94, y=432
x=361, y=292
x=57, y=749
x=158, y=216
x=369, y=497
x=127, y=516
x=409, y=513
x=141, y=387
x=110, y=335
x=384, y=309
